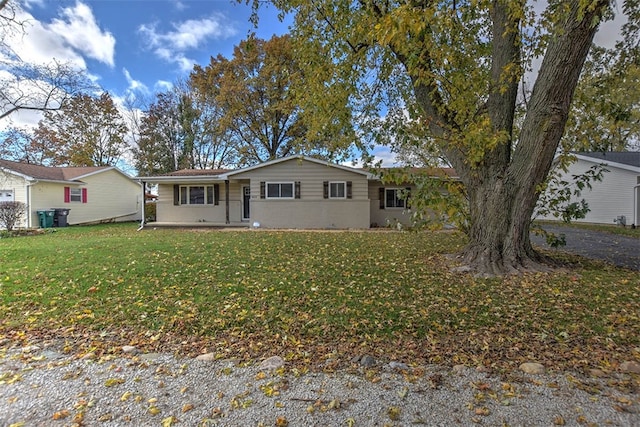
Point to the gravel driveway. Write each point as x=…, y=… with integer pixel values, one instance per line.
x=618, y=250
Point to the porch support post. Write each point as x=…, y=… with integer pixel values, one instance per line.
x=144, y=202
x=226, y=200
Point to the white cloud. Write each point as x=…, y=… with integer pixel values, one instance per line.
x=79, y=29
x=134, y=85
x=173, y=45
x=163, y=86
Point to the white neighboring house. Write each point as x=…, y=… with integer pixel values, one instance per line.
x=617, y=197
x=92, y=194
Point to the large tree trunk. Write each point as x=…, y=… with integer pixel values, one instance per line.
x=503, y=187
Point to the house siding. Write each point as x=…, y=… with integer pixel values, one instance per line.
x=311, y=210
x=387, y=217
x=609, y=198
x=167, y=212
x=110, y=197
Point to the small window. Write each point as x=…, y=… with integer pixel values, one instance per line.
x=75, y=195
x=280, y=190
x=395, y=197
x=196, y=195
x=337, y=190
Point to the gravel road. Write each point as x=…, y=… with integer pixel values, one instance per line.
x=40, y=386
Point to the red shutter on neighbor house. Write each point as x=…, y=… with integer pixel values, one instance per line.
x=84, y=195
x=67, y=194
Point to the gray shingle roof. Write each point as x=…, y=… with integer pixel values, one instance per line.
x=629, y=158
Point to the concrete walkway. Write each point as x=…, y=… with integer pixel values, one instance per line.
x=619, y=250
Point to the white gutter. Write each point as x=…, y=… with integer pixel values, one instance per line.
x=636, y=214
x=144, y=202
x=29, y=184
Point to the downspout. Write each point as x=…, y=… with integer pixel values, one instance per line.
x=144, y=201
x=226, y=200
x=29, y=213
x=636, y=214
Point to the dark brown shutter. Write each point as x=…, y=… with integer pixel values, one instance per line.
x=349, y=185
x=381, y=192
x=176, y=194
x=325, y=189
x=407, y=197
x=262, y=185
x=297, y=190
x=216, y=194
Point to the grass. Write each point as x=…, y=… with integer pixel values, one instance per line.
x=315, y=298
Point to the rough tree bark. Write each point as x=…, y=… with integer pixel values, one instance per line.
x=502, y=188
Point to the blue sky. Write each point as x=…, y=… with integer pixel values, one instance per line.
x=137, y=46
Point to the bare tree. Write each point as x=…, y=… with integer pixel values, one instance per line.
x=36, y=87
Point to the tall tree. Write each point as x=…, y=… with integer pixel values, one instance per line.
x=160, y=143
x=456, y=66
x=87, y=131
x=258, y=91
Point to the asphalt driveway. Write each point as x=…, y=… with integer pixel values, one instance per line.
x=619, y=250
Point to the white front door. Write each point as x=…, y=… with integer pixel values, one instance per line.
x=6, y=195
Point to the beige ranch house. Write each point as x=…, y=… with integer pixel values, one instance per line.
x=89, y=194
x=296, y=192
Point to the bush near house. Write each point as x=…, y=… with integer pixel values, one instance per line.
x=11, y=213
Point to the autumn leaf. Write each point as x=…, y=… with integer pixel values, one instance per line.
x=61, y=414
x=111, y=382
x=169, y=421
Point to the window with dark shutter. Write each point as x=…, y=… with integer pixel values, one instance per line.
x=176, y=195
x=349, y=186
x=325, y=189
x=262, y=187
x=381, y=194
x=216, y=194
x=297, y=190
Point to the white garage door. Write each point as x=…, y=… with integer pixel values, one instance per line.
x=6, y=196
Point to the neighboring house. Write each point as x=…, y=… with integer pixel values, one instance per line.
x=292, y=192
x=92, y=194
x=618, y=194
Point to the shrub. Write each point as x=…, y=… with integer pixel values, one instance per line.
x=11, y=213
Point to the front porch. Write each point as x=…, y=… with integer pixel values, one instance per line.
x=200, y=224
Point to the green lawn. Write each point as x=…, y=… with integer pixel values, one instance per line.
x=308, y=296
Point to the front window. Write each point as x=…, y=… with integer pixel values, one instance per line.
x=196, y=195
x=337, y=190
x=75, y=194
x=279, y=190
x=394, y=198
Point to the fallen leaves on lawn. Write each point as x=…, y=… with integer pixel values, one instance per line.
x=315, y=298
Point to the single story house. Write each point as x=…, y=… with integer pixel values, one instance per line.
x=292, y=192
x=91, y=194
x=615, y=199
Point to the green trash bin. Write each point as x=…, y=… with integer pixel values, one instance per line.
x=46, y=218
